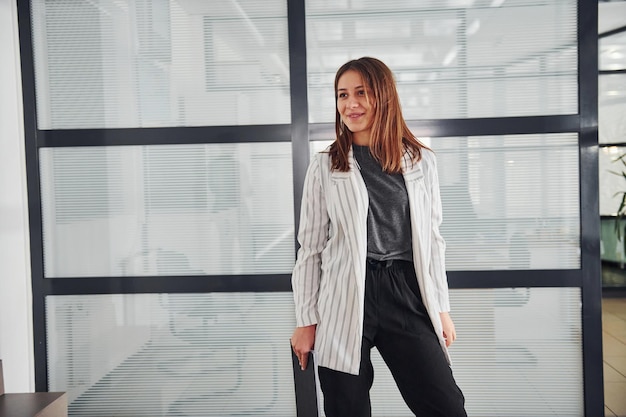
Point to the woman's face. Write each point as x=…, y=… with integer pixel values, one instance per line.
x=356, y=111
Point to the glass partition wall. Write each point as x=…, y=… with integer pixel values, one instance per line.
x=612, y=139
x=167, y=143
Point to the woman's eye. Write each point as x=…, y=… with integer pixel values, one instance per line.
x=342, y=95
x=362, y=93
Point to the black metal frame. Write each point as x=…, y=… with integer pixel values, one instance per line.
x=299, y=132
x=590, y=208
x=34, y=198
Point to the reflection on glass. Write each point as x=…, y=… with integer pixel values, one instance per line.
x=518, y=353
x=218, y=209
x=451, y=59
x=196, y=355
x=224, y=354
x=111, y=64
x=612, y=108
x=509, y=202
x=613, y=52
x=610, y=169
x=613, y=252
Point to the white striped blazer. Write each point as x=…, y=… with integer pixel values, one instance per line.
x=328, y=279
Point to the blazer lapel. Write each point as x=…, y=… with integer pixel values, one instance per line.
x=419, y=207
x=351, y=202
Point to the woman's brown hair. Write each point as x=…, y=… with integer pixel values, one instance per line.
x=390, y=136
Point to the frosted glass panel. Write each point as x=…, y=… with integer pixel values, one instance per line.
x=218, y=354
x=451, y=59
x=509, y=202
x=519, y=351
x=167, y=210
x=152, y=63
x=612, y=108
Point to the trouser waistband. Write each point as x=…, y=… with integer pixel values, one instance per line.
x=377, y=264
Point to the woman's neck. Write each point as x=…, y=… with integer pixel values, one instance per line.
x=361, y=140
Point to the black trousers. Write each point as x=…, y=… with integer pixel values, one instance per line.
x=396, y=322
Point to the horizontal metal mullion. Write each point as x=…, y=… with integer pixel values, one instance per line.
x=282, y=133
x=163, y=136
x=282, y=282
x=167, y=284
x=474, y=127
x=612, y=72
x=515, y=278
x=608, y=145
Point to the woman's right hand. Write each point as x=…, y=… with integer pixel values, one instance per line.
x=302, y=342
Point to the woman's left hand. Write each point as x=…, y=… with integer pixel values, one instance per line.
x=449, y=333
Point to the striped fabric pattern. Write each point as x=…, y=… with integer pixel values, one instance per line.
x=329, y=276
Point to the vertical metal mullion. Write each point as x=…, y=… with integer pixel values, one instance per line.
x=299, y=99
x=304, y=381
x=34, y=197
x=589, y=208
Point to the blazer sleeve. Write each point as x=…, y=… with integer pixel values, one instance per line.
x=312, y=237
x=437, y=267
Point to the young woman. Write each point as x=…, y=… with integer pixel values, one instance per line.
x=370, y=268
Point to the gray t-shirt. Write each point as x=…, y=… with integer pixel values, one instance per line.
x=388, y=218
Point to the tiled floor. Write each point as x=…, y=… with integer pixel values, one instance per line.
x=614, y=346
